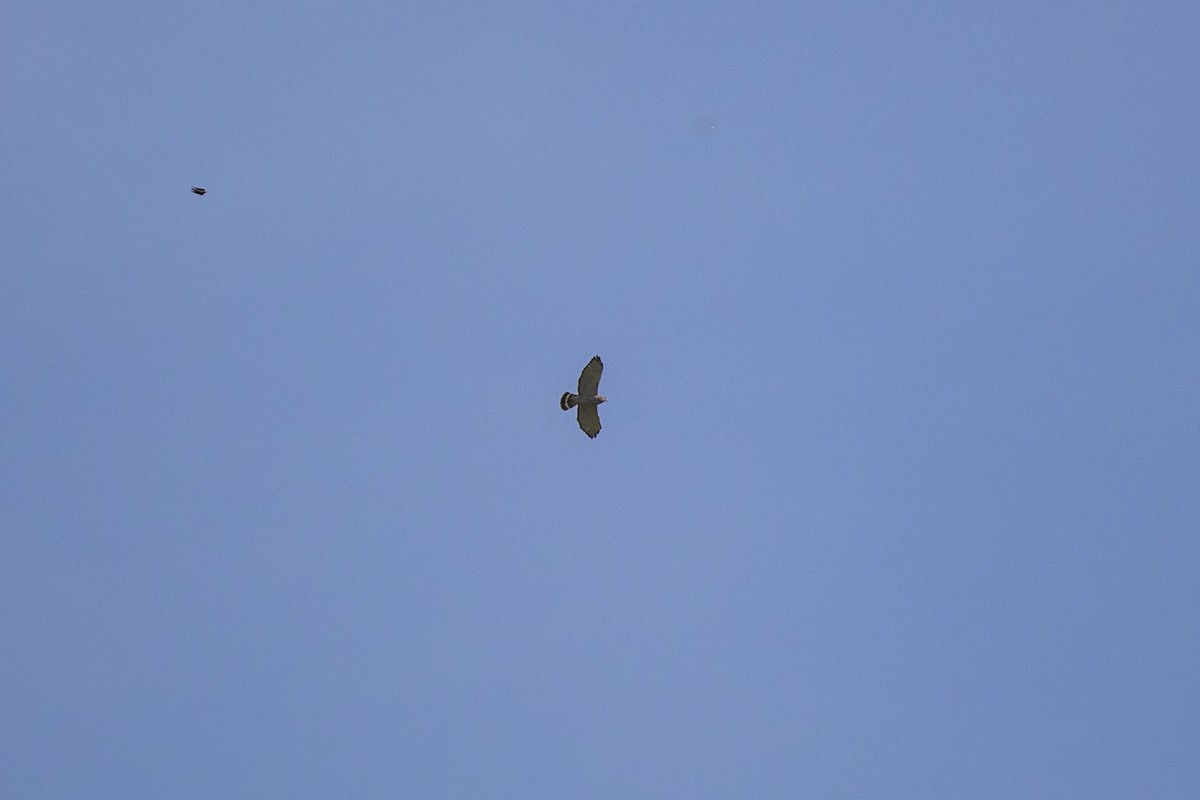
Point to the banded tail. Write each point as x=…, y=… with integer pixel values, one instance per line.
x=568, y=401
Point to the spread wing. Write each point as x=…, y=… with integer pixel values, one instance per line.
x=589, y=420
x=589, y=383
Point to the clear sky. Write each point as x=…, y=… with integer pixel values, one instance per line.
x=898, y=492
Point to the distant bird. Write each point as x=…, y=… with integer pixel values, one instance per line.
x=587, y=400
x=198, y=190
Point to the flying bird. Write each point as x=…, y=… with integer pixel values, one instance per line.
x=587, y=400
x=198, y=190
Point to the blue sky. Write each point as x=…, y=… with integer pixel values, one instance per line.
x=898, y=490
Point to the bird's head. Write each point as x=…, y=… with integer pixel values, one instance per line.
x=600, y=399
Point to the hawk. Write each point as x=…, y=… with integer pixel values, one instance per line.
x=587, y=400
x=198, y=190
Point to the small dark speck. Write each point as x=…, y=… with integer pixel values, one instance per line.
x=199, y=189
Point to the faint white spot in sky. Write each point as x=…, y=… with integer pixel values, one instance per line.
x=704, y=125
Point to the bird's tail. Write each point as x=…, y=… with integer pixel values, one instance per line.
x=568, y=401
